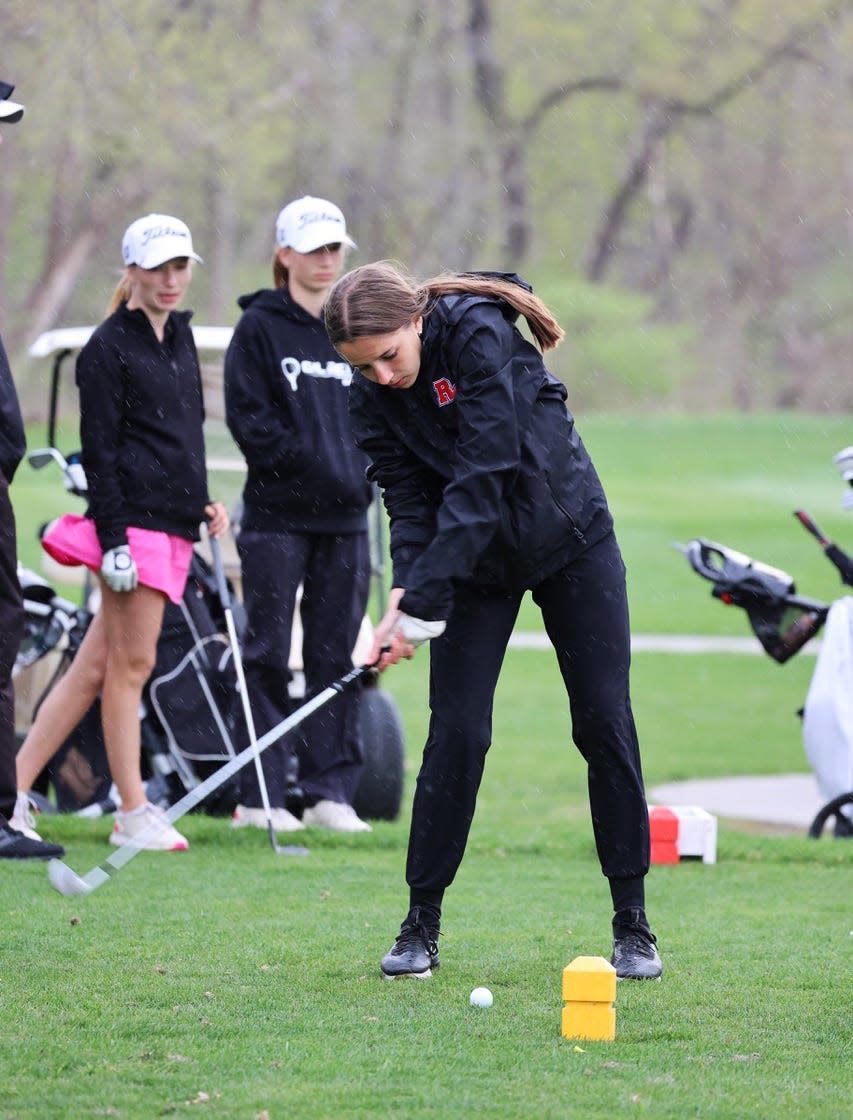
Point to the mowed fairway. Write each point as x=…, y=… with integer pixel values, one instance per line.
x=229, y=982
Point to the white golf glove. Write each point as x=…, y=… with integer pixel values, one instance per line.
x=119, y=570
x=416, y=631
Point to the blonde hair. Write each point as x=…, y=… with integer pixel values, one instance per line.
x=121, y=293
x=382, y=298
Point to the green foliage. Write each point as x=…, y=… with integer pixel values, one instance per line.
x=614, y=349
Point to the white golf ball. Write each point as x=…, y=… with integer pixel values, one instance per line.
x=482, y=997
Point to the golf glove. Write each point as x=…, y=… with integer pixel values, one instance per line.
x=416, y=631
x=119, y=570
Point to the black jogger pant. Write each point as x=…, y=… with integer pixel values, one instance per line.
x=584, y=608
x=334, y=572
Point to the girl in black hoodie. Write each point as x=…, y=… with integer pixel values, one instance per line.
x=304, y=520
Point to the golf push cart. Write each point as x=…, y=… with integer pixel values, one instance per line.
x=188, y=725
x=784, y=621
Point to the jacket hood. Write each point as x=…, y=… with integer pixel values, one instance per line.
x=276, y=301
x=456, y=303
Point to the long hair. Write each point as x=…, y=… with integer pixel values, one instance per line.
x=382, y=298
x=279, y=271
x=121, y=293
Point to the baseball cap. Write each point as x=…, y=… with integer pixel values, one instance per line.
x=309, y=223
x=10, y=111
x=156, y=238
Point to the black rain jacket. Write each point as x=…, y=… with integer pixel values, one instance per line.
x=141, y=417
x=485, y=479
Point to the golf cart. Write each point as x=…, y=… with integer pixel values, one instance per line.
x=198, y=655
x=784, y=622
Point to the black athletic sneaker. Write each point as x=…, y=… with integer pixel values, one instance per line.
x=14, y=845
x=415, y=952
x=635, y=955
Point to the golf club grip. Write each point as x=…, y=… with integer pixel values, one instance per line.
x=842, y=562
x=808, y=524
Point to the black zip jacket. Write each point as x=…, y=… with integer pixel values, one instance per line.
x=13, y=443
x=485, y=478
x=141, y=417
x=286, y=406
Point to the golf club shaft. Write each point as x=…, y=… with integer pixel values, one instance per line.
x=808, y=523
x=121, y=856
x=225, y=600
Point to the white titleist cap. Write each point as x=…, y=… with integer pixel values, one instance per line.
x=309, y=223
x=155, y=239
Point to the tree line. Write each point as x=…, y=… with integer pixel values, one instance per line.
x=675, y=179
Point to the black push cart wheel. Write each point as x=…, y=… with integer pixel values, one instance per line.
x=843, y=824
x=380, y=789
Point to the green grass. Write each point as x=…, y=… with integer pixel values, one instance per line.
x=228, y=982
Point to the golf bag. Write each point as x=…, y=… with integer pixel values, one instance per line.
x=784, y=622
x=187, y=705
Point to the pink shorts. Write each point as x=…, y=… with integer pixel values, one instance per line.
x=162, y=560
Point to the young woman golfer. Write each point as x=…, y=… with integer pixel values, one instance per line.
x=490, y=493
x=141, y=414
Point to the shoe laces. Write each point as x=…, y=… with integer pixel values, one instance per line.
x=415, y=931
x=637, y=940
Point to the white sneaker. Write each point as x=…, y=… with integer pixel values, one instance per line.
x=336, y=816
x=22, y=818
x=161, y=838
x=282, y=820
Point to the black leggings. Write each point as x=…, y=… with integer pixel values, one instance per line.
x=584, y=608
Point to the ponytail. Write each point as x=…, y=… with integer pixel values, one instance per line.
x=120, y=295
x=382, y=298
x=543, y=326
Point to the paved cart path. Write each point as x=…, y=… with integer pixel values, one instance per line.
x=785, y=801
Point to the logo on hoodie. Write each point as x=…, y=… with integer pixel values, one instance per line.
x=293, y=368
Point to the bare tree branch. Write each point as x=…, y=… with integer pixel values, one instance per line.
x=663, y=115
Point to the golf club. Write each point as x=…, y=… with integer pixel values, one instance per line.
x=68, y=882
x=808, y=523
x=225, y=600
x=833, y=553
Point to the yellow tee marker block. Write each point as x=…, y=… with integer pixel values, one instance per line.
x=589, y=989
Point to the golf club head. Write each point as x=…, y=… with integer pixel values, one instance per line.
x=44, y=455
x=66, y=881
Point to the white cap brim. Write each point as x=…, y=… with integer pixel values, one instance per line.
x=319, y=234
x=165, y=249
x=11, y=111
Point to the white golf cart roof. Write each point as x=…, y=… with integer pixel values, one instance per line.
x=75, y=338
x=61, y=343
